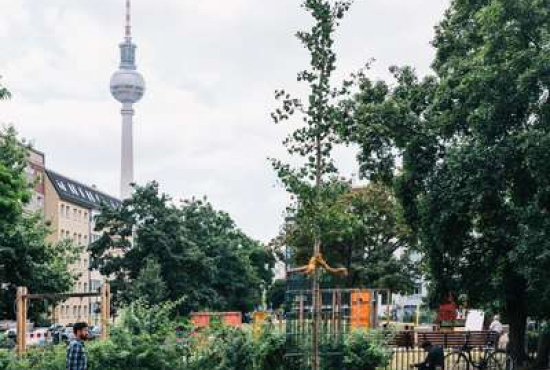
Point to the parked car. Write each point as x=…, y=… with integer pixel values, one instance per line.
x=57, y=333
x=94, y=332
x=68, y=333
x=8, y=339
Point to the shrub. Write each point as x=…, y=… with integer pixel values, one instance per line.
x=223, y=348
x=146, y=339
x=270, y=351
x=362, y=352
x=6, y=358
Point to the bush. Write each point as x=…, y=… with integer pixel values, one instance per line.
x=362, y=352
x=270, y=351
x=146, y=339
x=6, y=358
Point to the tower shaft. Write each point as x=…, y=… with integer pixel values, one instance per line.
x=127, y=86
x=127, y=152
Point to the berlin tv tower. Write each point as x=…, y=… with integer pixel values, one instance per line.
x=127, y=87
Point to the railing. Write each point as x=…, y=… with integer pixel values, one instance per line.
x=404, y=358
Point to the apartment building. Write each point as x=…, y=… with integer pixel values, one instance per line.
x=70, y=206
x=35, y=172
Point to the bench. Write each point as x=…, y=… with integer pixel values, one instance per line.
x=405, y=338
x=477, y=339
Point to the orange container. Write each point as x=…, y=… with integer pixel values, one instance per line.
x=203, y=319
x=361, y=309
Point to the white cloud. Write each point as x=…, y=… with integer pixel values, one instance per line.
x=211, y=67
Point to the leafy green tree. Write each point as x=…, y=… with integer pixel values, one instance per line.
x=474, y=178
x=203, y=256
x=149, y=286
x=319, y=113
x=276, y=294
x=363, y=230
x=4, y=92
x=26, y=259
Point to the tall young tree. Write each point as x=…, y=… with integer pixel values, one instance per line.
x=473, y=141
x=315, y=137
x=26, y=259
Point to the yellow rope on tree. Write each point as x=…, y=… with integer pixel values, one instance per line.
x=316, y=262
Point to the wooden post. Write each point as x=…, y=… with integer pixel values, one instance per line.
x=105, y=315
x=21, y=321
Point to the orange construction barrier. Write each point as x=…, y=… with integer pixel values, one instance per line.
x=361, y=309
x=203, y=319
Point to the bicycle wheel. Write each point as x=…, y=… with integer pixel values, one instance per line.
x=456, y=361
x=500, y=360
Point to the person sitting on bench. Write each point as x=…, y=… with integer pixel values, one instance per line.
x=435, y=359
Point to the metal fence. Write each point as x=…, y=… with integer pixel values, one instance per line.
x=404, y=358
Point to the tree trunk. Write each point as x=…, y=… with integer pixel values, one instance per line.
x=543, y=350
x=516, y=313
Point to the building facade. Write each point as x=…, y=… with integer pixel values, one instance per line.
x=70, y=207
x=35, y=172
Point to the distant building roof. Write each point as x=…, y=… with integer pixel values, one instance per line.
x=78, y=193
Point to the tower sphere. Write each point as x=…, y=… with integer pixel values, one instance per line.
x=127, y=86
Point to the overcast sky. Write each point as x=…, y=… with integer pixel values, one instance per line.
x=211, y=66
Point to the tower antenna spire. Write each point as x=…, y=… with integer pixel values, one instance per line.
x=128, y=19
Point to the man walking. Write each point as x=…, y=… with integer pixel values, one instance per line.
x=435, y=359
x=76, y=352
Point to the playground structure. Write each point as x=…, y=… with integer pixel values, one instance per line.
x=342, y=310
x=319, y=315
x=22, y=302
x=313, y=270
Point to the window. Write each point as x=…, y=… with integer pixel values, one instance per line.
x=74, y=311
x=95, y=284
x=85, y=287
x=62, y=210
x=67, y=234
x=75, y=215
x=79, y=239
x=85, y=216
x=62, y=234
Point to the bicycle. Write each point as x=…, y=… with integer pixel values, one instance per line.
x=465, y=358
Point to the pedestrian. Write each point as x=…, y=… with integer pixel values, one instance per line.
x=435, y=359
x=497, y=329
x=77, y=358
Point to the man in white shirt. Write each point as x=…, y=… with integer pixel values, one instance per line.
x=496, y=327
